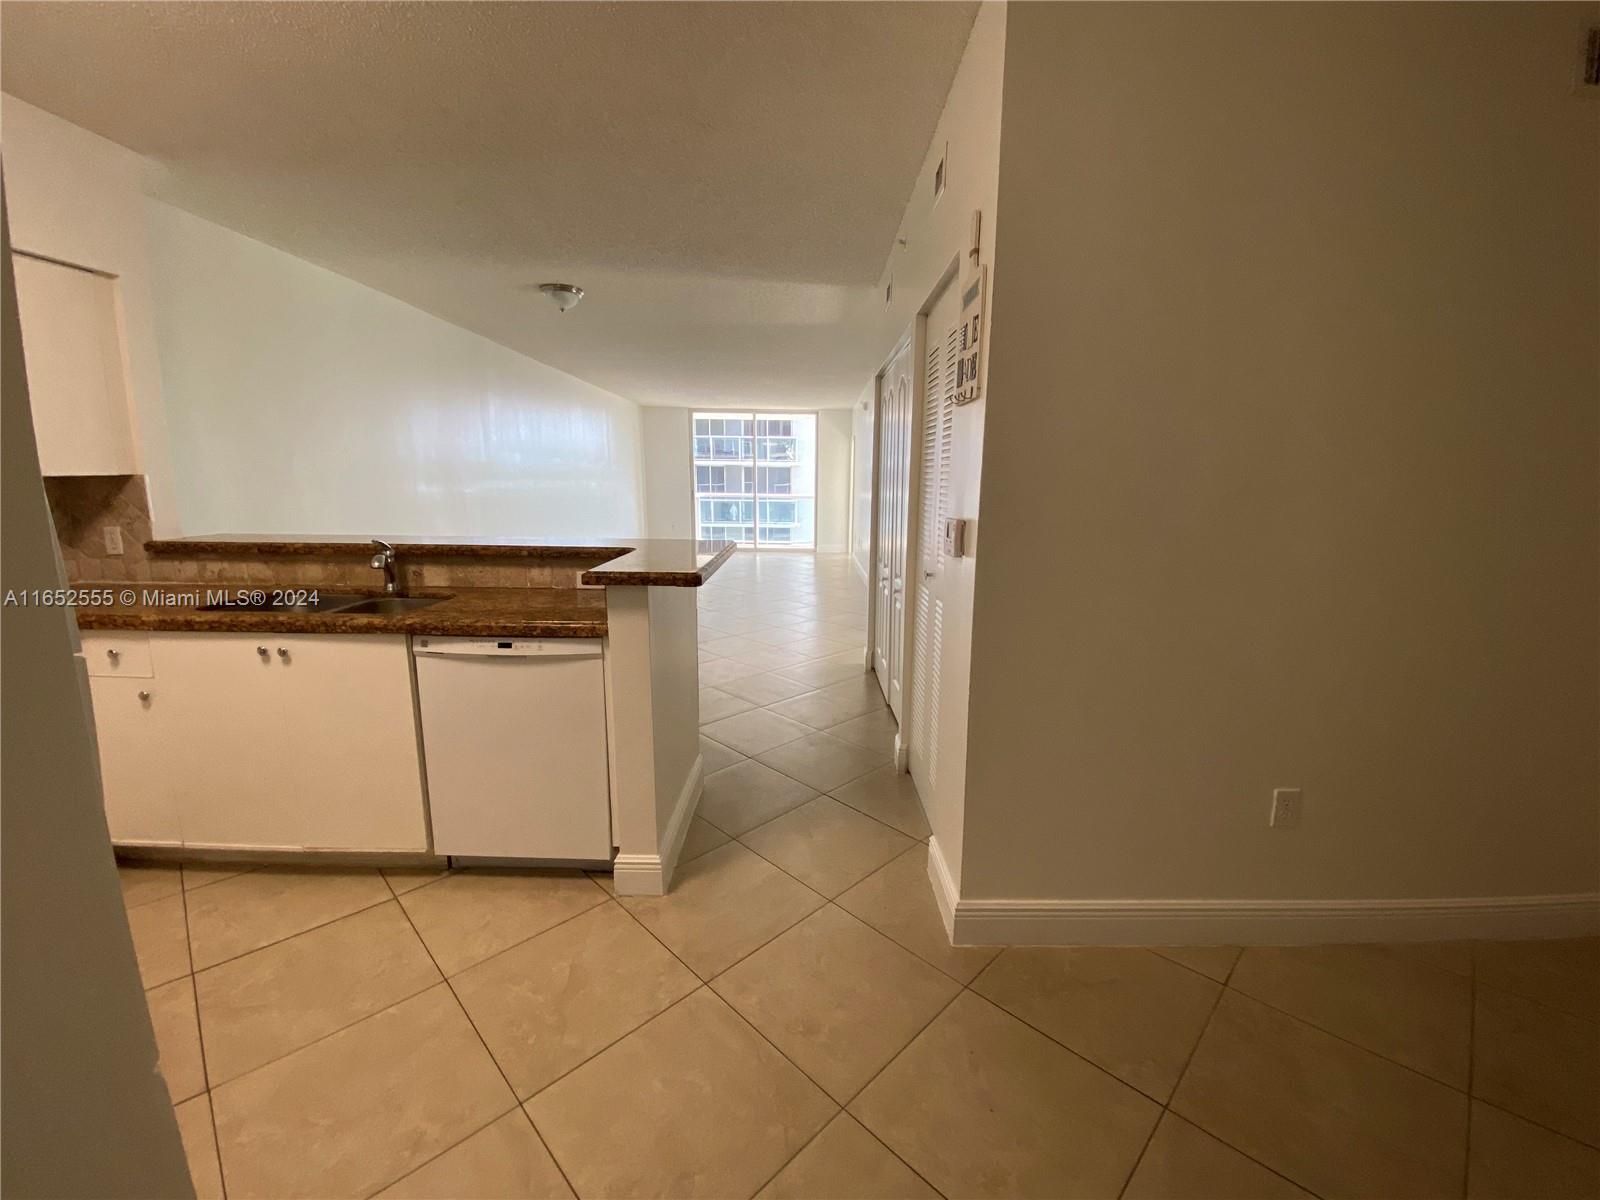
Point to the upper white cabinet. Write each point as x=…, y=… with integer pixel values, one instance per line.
x=72, y=343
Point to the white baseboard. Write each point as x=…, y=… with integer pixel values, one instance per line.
x=1009, y=922
x=944, y=889
x=861, y=571
x=831, y=549
x=651, y=874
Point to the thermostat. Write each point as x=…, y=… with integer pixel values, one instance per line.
x=955, y=537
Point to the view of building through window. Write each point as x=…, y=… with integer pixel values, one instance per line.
x=755, y=478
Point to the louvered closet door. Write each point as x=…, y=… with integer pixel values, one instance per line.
x=894, y=495
x=938, y=427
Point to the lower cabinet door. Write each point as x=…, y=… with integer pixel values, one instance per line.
x=348, y=724
x=227, y=766
x=138, y=755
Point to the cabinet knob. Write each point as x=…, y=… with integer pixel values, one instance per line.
x=263, y=651
x=113, y=654
x=145, y=696
x=283, y=652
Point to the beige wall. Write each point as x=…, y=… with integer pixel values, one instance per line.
x=1290, y=469
x=78, y=198
x=833, y=480
x=668, y=472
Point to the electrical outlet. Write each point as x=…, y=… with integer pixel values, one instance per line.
x=113, y=536
x=1286, y=806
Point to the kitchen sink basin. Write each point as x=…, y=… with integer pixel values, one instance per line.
x=325, y=602
x=387, y=605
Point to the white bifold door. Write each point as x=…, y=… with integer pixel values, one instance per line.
x=940, y=352
x=895, y=420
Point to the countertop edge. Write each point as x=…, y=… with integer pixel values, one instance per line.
x=416, y=624
x=290, y=548
x=624, y=564
x=619, y=574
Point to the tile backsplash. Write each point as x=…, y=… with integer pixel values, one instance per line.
x=83, y=507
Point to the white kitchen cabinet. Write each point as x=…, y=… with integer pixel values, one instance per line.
x=134, y=730
x=228, y=768
x=265, y=742
x=349, y=729
x=72, y=341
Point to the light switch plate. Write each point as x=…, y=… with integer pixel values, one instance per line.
x=113, y=536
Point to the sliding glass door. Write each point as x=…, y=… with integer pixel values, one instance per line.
x=755, y=478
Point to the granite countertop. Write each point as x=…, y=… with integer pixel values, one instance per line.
x=467, y=612
x=646, y=562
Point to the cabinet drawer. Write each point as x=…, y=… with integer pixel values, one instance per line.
x=113, y=654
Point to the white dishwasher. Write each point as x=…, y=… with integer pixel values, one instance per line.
x=514, y=736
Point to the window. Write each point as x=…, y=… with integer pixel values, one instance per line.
x=755, y=478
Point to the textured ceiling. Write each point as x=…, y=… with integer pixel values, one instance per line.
x=725, y=180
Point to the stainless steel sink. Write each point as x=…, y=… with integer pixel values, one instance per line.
x=387, y=605
x=326, y=602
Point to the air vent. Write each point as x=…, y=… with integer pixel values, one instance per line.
x=888, y=292
x=939, y=175
x=1591, y=60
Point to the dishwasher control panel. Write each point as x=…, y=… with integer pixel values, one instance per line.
x=508, y=647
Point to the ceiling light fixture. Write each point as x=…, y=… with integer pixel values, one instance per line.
x=562, y=295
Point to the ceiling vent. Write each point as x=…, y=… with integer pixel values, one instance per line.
x=939, y=175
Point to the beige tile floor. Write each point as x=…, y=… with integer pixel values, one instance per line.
x=791, y=1021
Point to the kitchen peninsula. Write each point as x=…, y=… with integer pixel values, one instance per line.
x=349, y=723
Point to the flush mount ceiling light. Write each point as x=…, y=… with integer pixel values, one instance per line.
x=562, y=295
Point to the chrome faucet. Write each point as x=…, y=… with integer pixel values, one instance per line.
x=383, y=561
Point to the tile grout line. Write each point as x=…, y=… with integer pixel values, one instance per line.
x=706, y=983
x=1166, y=1105
x=176, y=865
x=832, y=900
x=443, y=978
x=291, y=936
x=473, y=1025
x=199, y=1033
x=1166, y=1108
x=442, y=1153
x=1339, y=1037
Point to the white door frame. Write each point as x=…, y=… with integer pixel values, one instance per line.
x=914, y=580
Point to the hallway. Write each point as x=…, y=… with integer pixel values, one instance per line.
x=787, y=712
x=791, y=1021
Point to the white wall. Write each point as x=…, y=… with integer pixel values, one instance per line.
x=76, y=197
x=299, y=400
x=862, y=435
x=668, y=472
x=833, y=481
x=1290, y=463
